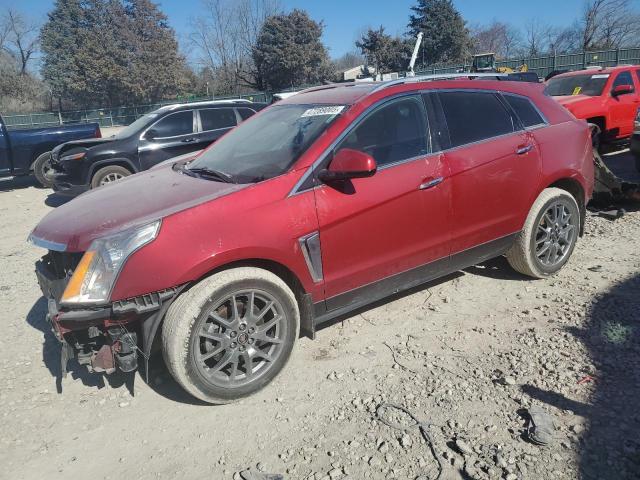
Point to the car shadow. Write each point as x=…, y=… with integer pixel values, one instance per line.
x=18, y=183
x=497, y=268
x=609, y=447
x=160, y=379
x=55, y=199
x=389, y=299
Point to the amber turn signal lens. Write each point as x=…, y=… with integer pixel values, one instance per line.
x=75, y=284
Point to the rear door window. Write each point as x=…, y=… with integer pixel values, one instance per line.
x=174, y=124
x=216, y=118
x=474, y=116
x=393, y=132
x=525, y=110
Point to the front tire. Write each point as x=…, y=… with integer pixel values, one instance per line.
x=549, y=235
x=231, y=334
x=41, y=168
x=108, y=175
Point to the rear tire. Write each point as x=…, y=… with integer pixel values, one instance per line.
x=219, y=353
x=109, y=174
x=638, y=163
x=549, y=235
x=41, y=167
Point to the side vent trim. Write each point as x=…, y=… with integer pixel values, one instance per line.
x=310, y=246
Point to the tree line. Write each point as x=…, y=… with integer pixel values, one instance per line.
x=110, y=53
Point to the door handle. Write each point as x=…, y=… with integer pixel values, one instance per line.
x=189, y=140
x=431, y=183
x=523, y=150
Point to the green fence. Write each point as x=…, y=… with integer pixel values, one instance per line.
x=108, y=117
x=547, y=64
x=111, y=117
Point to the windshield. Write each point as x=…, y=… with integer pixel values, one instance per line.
x=268, y=144
x=134, y=127
x=591, y=85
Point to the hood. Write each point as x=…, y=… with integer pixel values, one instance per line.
x=67, y=147
x=568, y=100
x=133, y=201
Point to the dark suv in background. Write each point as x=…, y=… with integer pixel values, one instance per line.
x=168, y=132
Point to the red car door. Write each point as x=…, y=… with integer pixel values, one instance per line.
x=375, y=228
x=494, y=166
x=623, y=107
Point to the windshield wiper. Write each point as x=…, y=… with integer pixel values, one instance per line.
x=210, y=173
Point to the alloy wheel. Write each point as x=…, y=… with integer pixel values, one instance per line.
x=240, y=338
x=555, y=234
x=110, y=178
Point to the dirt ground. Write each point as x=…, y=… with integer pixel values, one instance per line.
x=465, y=355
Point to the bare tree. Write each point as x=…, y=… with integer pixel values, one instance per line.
x=608, y=24
x=225, y=36
x=19, y=38
x=497, y=37
x=561, y=40
x=536, y=34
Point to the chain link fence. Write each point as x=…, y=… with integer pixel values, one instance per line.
x=122, y=116
x=109, y=117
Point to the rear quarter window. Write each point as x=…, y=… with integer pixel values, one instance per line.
x=216, y=118
x=246, y=113
x=474, y=116
x=525, y=110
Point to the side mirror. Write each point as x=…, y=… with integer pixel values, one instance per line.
x=151, y=134
x=348, y=163
x=622, y=90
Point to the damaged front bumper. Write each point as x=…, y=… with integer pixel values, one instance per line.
x=104, y=338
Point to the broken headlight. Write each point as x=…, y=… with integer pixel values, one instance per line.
x=95, y=275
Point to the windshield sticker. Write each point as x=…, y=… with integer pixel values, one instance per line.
x=576, y=91
x=318, y=111
x=602, y=75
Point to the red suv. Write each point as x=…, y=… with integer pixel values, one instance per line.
x=606, y=97
x=320, y=204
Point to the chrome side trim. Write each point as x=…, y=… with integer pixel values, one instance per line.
x=47, y=244
x=310, y=246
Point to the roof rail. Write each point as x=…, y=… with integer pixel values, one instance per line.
x=173, y=106
x=437, y=76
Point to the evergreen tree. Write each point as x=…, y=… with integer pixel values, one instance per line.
x=59, y=39
x=384, y=52
x=157, y=69
x=111, y=52
x=289, y=52
x=446, y=38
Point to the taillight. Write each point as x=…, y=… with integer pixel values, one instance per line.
x=98, y=133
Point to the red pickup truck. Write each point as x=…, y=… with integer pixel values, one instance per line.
x=606, y=97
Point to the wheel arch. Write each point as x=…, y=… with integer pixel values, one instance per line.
x=120, y=162
x=573, y=187
x=277, y=268
x=600, y=121
x=36, y=156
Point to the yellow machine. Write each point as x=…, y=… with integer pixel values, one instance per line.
x=486, y=63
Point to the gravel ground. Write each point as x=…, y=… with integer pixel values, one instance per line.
x=466, y=355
